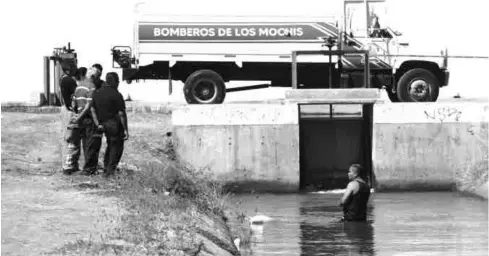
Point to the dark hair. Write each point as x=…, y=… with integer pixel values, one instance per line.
x=111, y=78
x=359, y=169
x=98, y=66
x=68, y=66
x=81, y=72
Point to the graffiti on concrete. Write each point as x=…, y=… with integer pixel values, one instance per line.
x=443, y=114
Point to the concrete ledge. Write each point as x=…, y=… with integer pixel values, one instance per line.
x=149, y=107
x=410, y=113
x=344, y=96
x=235, y=114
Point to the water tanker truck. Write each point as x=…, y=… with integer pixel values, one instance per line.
x=207, y=51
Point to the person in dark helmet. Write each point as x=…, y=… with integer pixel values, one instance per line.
x=355, y=198
x=109, y=107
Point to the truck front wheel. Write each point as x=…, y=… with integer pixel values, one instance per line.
x=204, y=87
x=418, y=85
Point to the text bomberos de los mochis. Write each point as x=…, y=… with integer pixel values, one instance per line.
x=228, y=32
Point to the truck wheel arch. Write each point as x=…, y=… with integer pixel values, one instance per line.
x=409, y=65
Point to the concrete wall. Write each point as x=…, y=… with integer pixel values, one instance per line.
x=423, y=146
x=416, y=146
x=254, y=146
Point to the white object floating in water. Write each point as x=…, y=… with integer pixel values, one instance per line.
x=236, y=243
x=333, y=191
x=259, y=219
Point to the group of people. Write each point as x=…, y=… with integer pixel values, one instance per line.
x=96, y=108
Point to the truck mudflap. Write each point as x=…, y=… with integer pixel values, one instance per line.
x=445, y=77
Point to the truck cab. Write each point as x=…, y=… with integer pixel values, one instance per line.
x=417, y=74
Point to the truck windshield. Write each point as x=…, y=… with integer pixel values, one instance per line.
x=359, y=25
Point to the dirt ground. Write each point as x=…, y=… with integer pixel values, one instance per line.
x=42, y=210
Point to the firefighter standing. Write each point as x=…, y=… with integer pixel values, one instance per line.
x=109, y=107
x=82, y=125
x=68, y=86
x=67, y=82
x=96, y=140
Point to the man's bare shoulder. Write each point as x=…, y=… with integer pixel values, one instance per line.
x=352, y=185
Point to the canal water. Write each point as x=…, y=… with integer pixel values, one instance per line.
x=432, y=223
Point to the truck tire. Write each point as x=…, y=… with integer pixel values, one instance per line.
x=418, y=85
x=204, y=87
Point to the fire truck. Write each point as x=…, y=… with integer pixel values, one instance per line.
x=207, y=51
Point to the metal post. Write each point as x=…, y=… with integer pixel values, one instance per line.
x=330, y=69
x=170, y=84
x=366, y=23
x=56, y=78
x=47, y=92
x=367, y=70
x=294, y=70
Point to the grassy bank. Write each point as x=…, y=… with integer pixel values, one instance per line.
x=166, y=209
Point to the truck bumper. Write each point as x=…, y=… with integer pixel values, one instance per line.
x=444, y=78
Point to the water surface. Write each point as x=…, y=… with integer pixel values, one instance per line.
x=433, y=223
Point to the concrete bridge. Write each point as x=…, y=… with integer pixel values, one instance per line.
x=309, y=140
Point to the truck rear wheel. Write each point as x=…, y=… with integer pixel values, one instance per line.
x=204, y=87
x=418, y=85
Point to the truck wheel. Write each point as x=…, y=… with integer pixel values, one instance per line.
x=418, y=85
x=204, y=87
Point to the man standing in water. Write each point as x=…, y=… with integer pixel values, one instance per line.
x=354, y=201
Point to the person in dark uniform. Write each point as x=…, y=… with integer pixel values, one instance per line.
x=110, y=109
x=67, y=83
x=94, y=142
x=354, y=201
x=67, y=87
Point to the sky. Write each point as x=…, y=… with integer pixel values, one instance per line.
x=31, y=29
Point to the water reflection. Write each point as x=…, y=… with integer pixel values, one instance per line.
x=322, y=232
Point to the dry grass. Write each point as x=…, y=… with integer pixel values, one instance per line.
x=167, y=207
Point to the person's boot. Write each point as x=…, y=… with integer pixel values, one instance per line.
x=70, y=171
x=87, y=172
